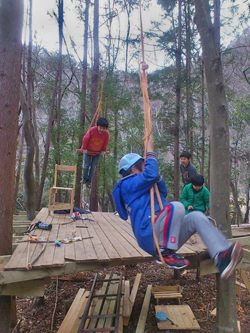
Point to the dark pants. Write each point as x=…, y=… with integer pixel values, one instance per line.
x=90, y=163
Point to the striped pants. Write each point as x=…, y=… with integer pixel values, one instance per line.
x=173, y=228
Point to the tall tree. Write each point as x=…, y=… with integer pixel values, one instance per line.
x=59, y=86
x=177, y=107
x=11, y=22
x=83, y=102
x=27, y=108
x=93, y=96
x=226, y=320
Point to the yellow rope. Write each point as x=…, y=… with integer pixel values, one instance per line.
x=148, y=132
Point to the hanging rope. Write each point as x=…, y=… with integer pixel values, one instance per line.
x=98, y=111
x=148, y=132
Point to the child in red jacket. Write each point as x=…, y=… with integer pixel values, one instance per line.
x=94, y=144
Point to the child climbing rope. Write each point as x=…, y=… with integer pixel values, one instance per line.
x=172, y=227
x=195, y=196
x=94, y=144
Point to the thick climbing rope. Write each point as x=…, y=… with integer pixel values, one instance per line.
x=98, y=111
x=148, y=132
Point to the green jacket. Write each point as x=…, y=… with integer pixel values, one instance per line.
x=198, y=199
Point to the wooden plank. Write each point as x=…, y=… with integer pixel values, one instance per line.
x=34, y=288
x=109, y=304
x=125, y=230
x=88, y=244
x=181, y=315
x=144, y=311
x=109, y=247
x=132, y=298
x=73, y=312
x=19, y=257
x=59, y=259
x=97, y=244
x=127, y=306
x=46, y=259
x=113, y=237
x=99, y=303
x=245, y=279
x=246, y=254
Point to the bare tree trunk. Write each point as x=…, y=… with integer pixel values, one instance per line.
x=226, y=320
x=47, y=145
x=177, y=108
x=246, y=217
x=202, y=118
x=19, y=165
x=11, y=21
x=114, y=164
x=94, y=92
x=83, y=104
x=59, y=87
x=29, y=182
x=236, y=204
x=188, y=79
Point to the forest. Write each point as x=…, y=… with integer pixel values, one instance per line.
x=198, y=86
x=61, y=93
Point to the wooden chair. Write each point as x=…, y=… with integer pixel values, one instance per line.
x=55, y=205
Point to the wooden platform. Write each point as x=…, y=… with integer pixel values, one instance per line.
x=181, y=315
x=112, y=243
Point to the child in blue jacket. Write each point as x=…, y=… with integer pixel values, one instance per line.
x=173, y=228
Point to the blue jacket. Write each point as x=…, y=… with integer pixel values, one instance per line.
x=135, y=193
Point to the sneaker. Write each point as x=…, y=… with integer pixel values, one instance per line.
x=172, y=259
x=84, y=181
x=228, y=260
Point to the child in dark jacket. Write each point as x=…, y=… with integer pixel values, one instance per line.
x=173, y=228
x=188, y=170
x=195, y=196
x=94, y=144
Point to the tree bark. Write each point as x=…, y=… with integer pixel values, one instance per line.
x=59, y=86
x=246, y=217
x=11, y=21
x=94, y=93
x=19, y=166
x=27, y=108
x=83, y=104
x=177, y=108
x=226, y=320
x=236, y=204
x=29, y=182
x=47, y=144
x=202, y=119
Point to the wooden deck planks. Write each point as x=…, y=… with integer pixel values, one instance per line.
x=124, y=249
x=126, y=232
x=111, y=239
x=19, y=257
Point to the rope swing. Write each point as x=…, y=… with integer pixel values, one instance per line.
x=148, y=132
x=99, y=111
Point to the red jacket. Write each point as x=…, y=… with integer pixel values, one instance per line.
x=94, y=142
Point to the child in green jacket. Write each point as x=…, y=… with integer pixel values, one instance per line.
x=195, y=196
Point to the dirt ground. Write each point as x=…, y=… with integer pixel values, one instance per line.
x=199, y=295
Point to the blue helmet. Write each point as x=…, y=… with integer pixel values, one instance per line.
x=128, y=160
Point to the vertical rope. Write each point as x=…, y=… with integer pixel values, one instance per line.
x=99, y=107
x=148, y=131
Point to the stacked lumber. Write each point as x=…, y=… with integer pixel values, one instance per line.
x=71, y=322
x=167, y=292
x=129, y=299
